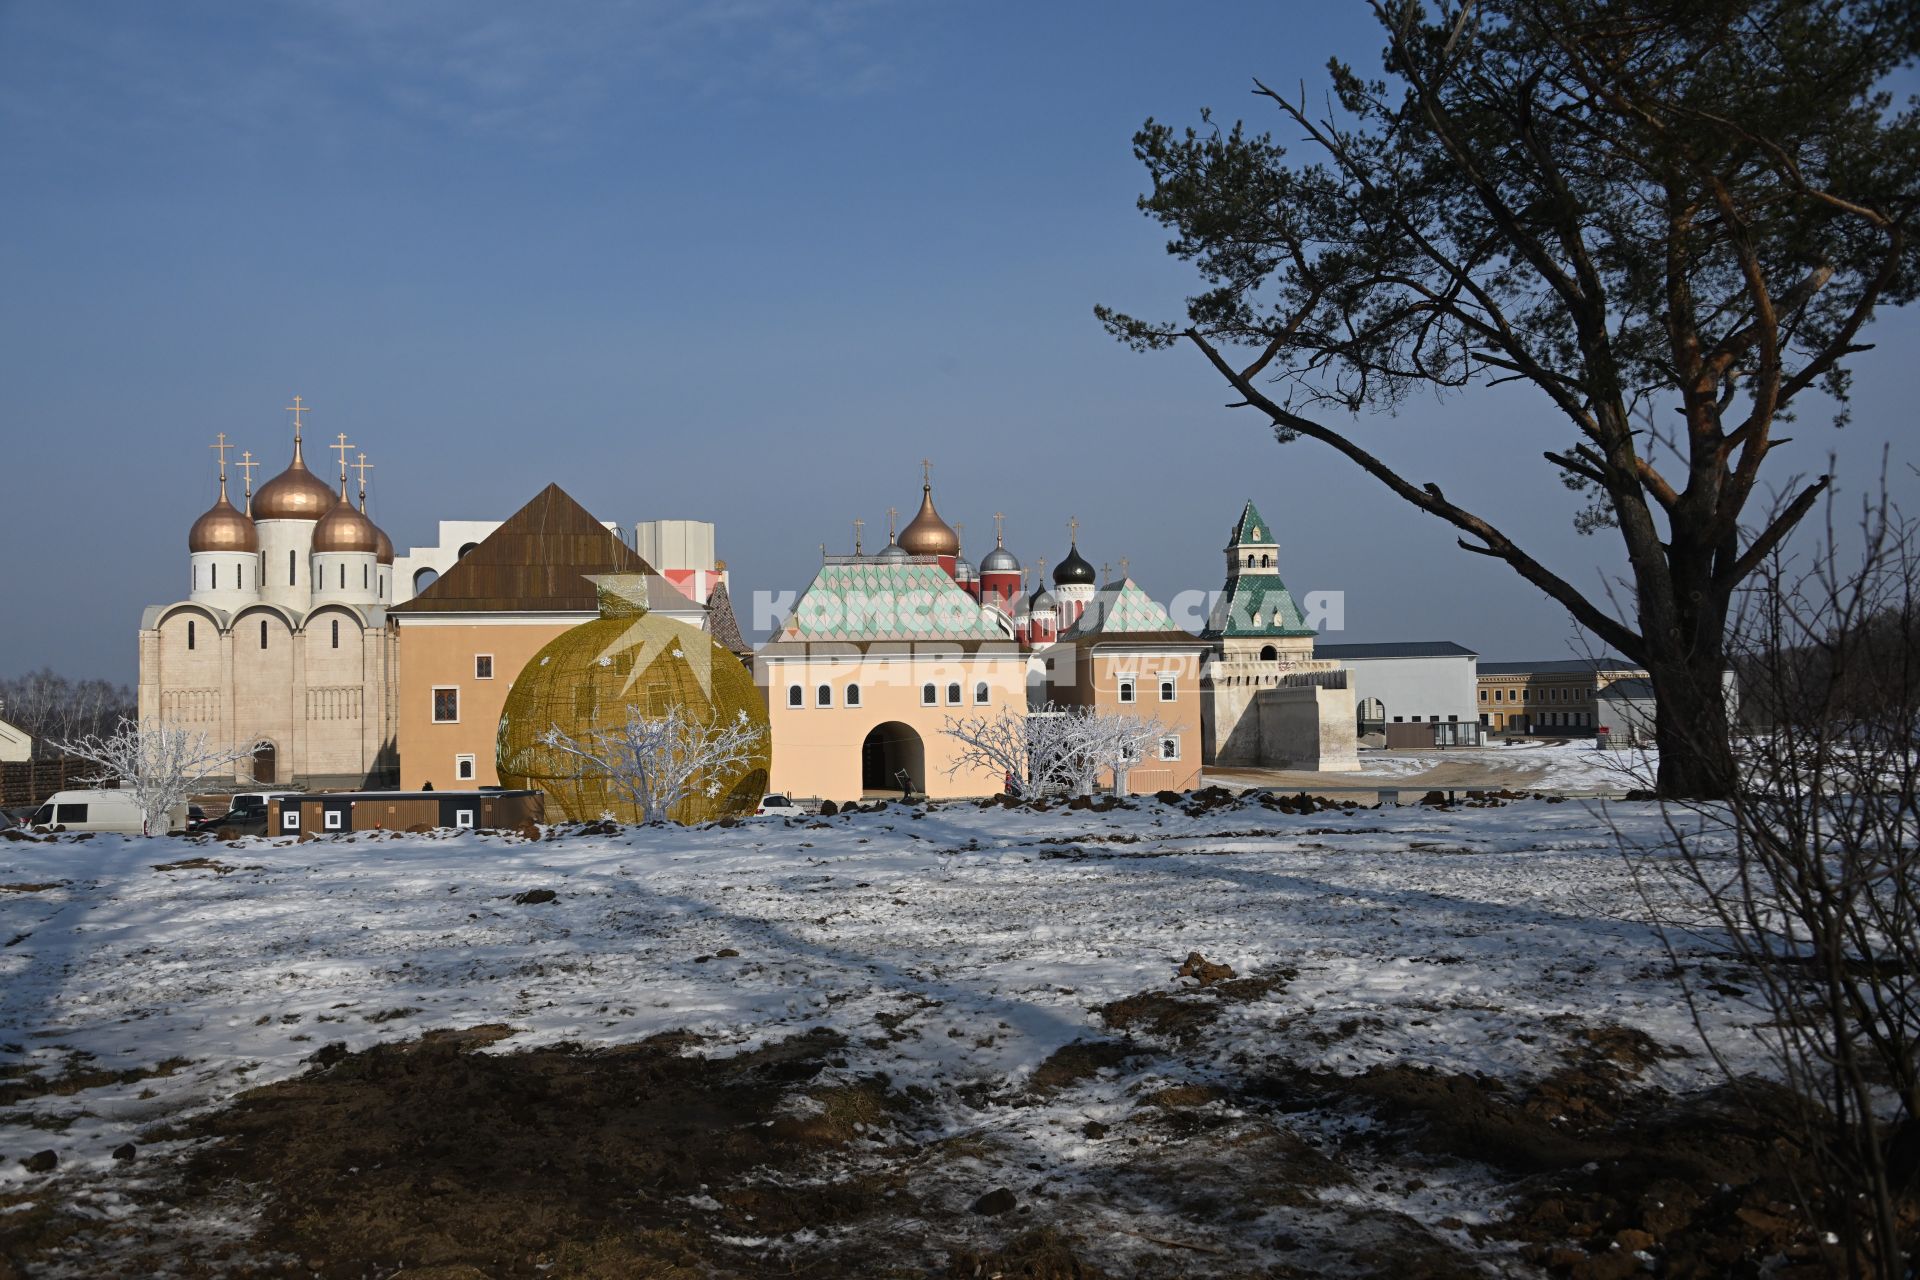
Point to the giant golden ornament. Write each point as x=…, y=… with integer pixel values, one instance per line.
x=587, y=679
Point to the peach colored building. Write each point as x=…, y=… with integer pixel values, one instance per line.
x=867, y=670
x=462, y=640
x=1125, y=654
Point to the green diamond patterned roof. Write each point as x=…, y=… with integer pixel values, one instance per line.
x=1121, y=608
x=1252, y=527
x=879, y=600
x=1256, y=605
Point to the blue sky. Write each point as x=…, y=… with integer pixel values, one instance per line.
x=738, y=260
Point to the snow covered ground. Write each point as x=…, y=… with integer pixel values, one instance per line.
x=954, y=946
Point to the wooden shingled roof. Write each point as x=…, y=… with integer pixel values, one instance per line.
x=538, y=561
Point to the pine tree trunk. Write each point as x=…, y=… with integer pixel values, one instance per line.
x=1692, y=729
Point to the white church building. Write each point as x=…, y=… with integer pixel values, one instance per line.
x=281, y=644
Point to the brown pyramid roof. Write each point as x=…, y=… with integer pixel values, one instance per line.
x=538, y=561
x=722, y=625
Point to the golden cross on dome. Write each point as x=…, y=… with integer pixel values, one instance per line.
x=342, y=448
x=999, y=531
x=926, y=473
x=220, y=446
x=959, y=535
x=245, y=467
x=296, y=409
x=1073, y=530
x=893, y=513
x=362, y=466
x=858, y=525
x=1124, y=562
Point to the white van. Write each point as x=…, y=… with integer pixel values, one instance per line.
x=102, y=810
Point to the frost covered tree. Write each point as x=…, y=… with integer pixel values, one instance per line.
x=161, y=764
x=1051, y=750
x=657, y=762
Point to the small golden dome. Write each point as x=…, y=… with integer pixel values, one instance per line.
x=383, y=545
x=223, y=528
x=343, y=528
x=294, y=494
x=927, y=534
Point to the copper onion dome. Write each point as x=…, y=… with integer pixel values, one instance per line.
x=223, y=528
x=383, y=545
x=927, y=534
x=294, y=494
x=344, y=529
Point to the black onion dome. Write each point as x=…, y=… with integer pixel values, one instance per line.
x=1074, y=571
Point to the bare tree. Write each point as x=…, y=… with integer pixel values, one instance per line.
x=50, y=707
x=1670, y=223
x=1052, y=750
x=657, y=762
x=1811, y=872
x=160, y=764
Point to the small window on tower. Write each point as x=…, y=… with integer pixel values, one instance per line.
x=189, y=633
x=263, y=633
x=336, y=633
x=213, y=576
x=953, y=695
x=795, y=698
x=343, y=577
x=291, y=579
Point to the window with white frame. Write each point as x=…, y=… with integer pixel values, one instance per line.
x=1166, y=689
x=331, y=819
x=290, y=818
x=483, y=666
x=463, y=768
x=980, y=693
x=463, y=818
x=953, y=694
x=853, y=695
x=823, y=696
x=1126, y=690
x=796, y=697
x=929, y=696
x=446, y=704
x=1170, y=748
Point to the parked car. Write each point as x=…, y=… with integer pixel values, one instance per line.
x=246, y=821
x=777, y=806
x=99, y=810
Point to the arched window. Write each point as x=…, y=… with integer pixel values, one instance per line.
x=189, y=633
x=422, y=579
x=929, y=696
x=980, y=693
x=1268, y=653
x=795, y=698
x=1266, y=561
x=853, y=695
x=1249, y=559
x=336, y=633
x=468, y=547
x=1126, y=691
x=263, y=633
x=1166, y=691
x=953, y=695
x=823, y=696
